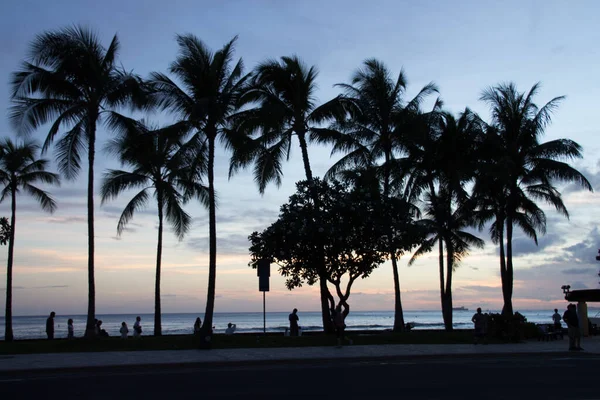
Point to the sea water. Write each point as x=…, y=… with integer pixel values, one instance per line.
x=33, y=327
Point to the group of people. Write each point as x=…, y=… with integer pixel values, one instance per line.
x=98, y=330
x=570, y=317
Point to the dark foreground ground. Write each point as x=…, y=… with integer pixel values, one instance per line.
x=568, y=376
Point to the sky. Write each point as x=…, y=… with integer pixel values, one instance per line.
x=464, y=47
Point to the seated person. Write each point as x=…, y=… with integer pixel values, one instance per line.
x=230, y=329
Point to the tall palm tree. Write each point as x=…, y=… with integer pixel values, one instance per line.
x=159, y=160
x=441, y=162
x=522, y=170
x=207, y=95
x=283, y=96
x=373, y=135
x=72, y=81
x=20, y=169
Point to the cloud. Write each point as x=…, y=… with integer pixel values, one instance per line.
x=50, y=287
x=228, y=244
x=576, y=271
x=582, y=253
x=523, y=245
x=66, y=220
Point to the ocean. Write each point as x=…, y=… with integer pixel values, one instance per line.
x=33, y=327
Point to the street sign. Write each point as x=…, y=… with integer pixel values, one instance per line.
x=263, y=272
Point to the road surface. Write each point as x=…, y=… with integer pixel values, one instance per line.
x=569, y=376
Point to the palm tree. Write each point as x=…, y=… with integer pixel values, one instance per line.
x=441, y=162
x=20, y=169
x=161, y=161
x=283, y=93
x=445, y=226
x=521, y=171
x=72, y=81
x=374, y=134
x=209, y=94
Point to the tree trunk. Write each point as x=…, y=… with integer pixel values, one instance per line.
x=157, y=311
x=90, y=329
x=447, y=297
x=8, y=333
x=507, y=279
x=206, y=332
x=398, y=312
x=324, y=290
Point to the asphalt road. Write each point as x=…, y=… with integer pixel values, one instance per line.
x=487, y=377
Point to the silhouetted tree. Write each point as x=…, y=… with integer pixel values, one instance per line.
x=20, y=169
x=517, y=170
x=159, y=161
x=204, y=101
x=72, y=81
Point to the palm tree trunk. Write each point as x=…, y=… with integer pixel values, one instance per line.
x=398, y=312
x=326, y=296
x=447, y=298
x=212, y=233
x=157, y=311
x=8, y=333
x=399, y=325
x=90, y=329
x=507, y=279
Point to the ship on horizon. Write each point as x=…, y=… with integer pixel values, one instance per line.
x=461, y=308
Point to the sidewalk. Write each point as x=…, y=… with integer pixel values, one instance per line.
x=32, y=362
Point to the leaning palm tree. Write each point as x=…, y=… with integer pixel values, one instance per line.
x=20, y=169
x=284, y=105
x=380, y=121
x=159, y=160
x=73, y=82
x=203, y=102
x=522, y=170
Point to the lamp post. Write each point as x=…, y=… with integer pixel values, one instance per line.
x=566, y=289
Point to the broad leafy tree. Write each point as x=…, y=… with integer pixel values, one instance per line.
x=163, y=167
x=204, y=96
x=20, y=170
x=73, y=82
x=349, y=222
x=518, y=170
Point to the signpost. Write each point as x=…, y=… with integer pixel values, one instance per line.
x=263, y=271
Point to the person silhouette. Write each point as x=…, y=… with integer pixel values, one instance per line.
x=479, y=320
x=137, y=327
x=50, y=325
x=230, y=329
x=70, y=329
x=294, y=322
x=197, y=326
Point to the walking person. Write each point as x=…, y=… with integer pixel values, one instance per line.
x=572, y=320
x=294, y=322
x=124, y=330
x=137, y=327
x=479, y=322
x=70, y=330
x=50, y=325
